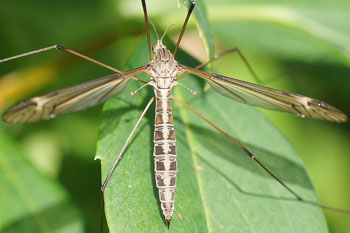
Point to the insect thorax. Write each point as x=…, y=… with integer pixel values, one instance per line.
x=163, y=68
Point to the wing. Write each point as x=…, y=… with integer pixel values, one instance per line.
x=270, y=98
x=70, y=99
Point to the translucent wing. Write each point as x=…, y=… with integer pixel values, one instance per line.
x=70, y=99
x=270, y=98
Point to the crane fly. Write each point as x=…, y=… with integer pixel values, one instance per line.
x=165, y=73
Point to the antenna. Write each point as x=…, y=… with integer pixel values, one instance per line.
x=184, y=27
x=155, y=29
x=167, y=29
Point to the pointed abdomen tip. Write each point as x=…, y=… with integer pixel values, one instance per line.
x=168, y=219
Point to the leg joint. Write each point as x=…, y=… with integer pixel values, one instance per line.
x=57, y=46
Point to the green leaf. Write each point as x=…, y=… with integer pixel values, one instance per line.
x=299, y=30
x=219, y=188
x=29, y=201
x=296, y=30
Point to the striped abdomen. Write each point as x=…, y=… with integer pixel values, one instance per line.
x=165, y=164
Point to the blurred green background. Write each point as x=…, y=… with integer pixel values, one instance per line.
x=299, y=46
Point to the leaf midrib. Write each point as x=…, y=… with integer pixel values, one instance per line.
x=193, y=148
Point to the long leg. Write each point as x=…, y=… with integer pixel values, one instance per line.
x=125, y=145
x=63, y=49
x=184, y=27
x=68, y=51
x=105, y=183
x=252, y=156
x=230, y=51
x=147, y=28
x=102, y=212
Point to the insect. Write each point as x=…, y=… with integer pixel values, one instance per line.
x=164, y=72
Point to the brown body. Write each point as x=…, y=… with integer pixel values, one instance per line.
x=165, y=165
x=163, y=70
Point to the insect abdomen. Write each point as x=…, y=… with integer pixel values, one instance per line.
x=165, y=164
